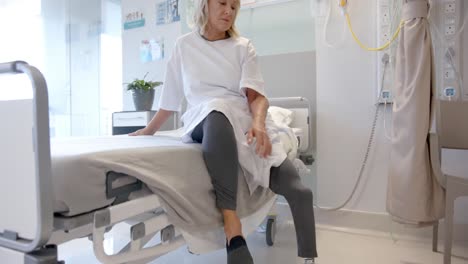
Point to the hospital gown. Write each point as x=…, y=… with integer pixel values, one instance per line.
x=213, y=76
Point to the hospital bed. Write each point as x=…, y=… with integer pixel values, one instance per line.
x=54, y=191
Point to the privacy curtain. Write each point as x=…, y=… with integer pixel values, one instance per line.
x=414, y=196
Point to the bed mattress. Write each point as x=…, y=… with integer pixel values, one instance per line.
x=80, y=186
x=173, y=170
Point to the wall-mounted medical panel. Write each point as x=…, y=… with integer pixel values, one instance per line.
x=450, y=37
x=387, y=21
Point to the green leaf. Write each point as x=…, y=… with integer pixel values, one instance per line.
x=141, y=84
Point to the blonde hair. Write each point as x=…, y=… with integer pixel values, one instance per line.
x=200, y=17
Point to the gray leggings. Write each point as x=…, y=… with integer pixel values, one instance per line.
x=219, y=146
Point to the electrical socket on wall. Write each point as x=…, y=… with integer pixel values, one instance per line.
x=449, y=30
x=450, y=7
x=385, y=15
x=449, y=74
x=449, y=23
x=384, y=35
x=385, y=38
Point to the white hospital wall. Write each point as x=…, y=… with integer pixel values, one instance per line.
x=273, y=29
x=131, y=39
x=346, y=80
x=345, y=96
x=293, y=74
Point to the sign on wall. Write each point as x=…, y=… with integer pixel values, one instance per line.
x=152, y=49
x=167, y=12
x=133, y=20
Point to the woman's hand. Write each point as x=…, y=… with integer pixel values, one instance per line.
x=142, y=132
x=155, y=123
x=263, y=146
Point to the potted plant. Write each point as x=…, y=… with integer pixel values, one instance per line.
x=143, y=93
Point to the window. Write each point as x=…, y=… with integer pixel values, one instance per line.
x=21, y=31
x=76, y=44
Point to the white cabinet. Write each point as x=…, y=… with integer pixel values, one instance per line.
x=129, y=121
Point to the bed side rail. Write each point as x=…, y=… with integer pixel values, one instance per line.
x=303, y=119
x=43, y=192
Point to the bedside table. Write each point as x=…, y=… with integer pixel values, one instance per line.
x=129, y=121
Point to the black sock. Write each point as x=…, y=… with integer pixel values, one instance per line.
x=235, y=243
x=238, y=252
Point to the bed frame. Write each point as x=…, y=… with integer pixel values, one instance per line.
x=29, y=231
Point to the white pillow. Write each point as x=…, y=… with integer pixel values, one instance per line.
x=281, y=116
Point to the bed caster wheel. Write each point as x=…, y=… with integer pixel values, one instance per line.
x=271, y=231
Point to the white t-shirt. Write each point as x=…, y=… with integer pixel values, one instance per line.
x=213, y=76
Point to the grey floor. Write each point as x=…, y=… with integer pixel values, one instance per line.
x=335, y=247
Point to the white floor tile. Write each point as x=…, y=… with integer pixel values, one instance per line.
x=334, y=248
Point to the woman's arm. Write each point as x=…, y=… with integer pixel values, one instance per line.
x=258, y=107
x=155, y=123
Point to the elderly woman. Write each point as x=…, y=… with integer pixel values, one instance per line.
x=216, y=71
